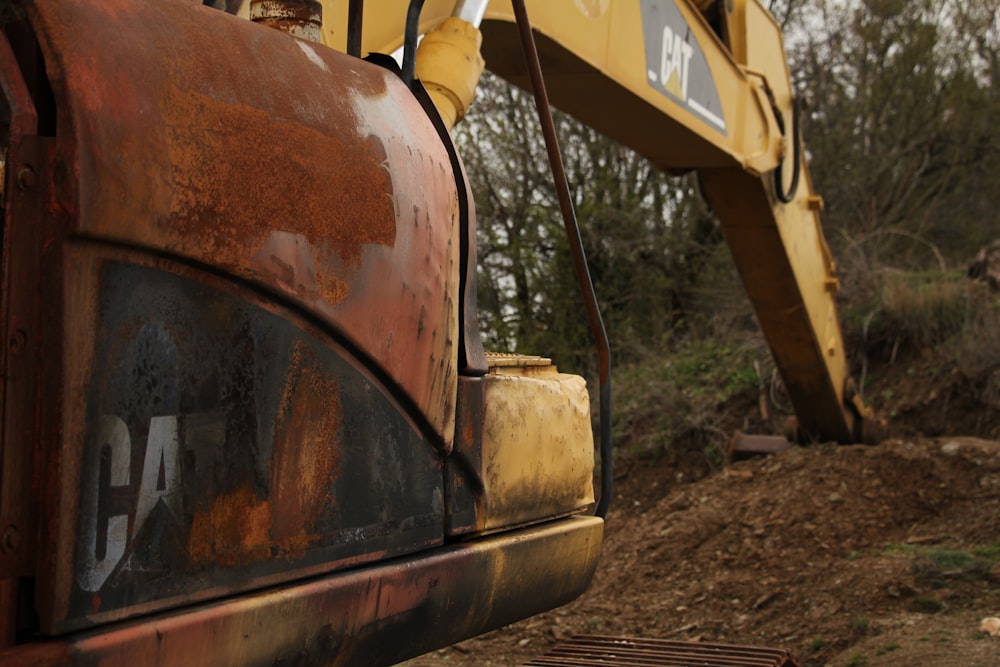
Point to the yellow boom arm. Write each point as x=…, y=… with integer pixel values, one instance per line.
x=690, y=84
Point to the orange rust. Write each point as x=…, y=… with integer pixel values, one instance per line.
x=305, y=467
x=240, y=526
x=306, y=171
x=315, y=184
x=237, y=523
x=332, y=288
x=345, y=618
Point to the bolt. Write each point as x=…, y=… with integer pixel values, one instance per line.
x=10, y=539
x=26, y=178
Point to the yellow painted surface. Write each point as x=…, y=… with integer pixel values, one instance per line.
x=594, y=57
x=604, y=38
x=449, y=65
x=538, y=448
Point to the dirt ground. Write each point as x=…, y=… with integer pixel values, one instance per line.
x=845, y=555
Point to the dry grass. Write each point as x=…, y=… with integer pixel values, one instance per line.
x=927, y=310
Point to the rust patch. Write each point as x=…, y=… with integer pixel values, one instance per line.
x=303, y=471
x=235, y=529
x=293, y=166
x=344, y=619
x=291, y=178
x=241, y=526
x=301, y=18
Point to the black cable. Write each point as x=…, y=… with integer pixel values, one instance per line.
x=355, y=19
x=787, y=197
x=410, y=40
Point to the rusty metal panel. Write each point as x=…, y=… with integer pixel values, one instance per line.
x=747, y=445
x=247, y=369
x=244, y=346
x=301, y=18
x=594, y=650
x=310, y=173
x=464, y=510
x=218, y=443
x=380, y=615
x=22, y=157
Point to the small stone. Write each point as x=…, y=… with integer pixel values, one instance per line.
x=991, y=626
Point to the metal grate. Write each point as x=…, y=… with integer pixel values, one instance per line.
x=600, y=651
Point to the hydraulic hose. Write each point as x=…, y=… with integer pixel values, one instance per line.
x=410, y=37
x=787, y=197
x=576, y=249
x=355, y=21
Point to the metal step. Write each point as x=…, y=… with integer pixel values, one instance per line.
x=602, y=651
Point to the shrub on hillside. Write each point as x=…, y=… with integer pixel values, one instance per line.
x=914, y=311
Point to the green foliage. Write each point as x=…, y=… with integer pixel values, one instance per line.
x=926, y=605
x=905, y=549
x=988, y=552
x=742, y=379
x=856, y=660
x=927, y=309
x=859, y=623
x=817, y=645
x=679, y=393
x=646, y=236
x=888, y=648
x=936, y=563
x=950, y=559
x=900, y=126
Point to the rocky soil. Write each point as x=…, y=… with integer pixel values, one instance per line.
x=846, y=556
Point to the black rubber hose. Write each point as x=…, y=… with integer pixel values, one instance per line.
x=410, y=40
x=787, y=197
x=355, y=21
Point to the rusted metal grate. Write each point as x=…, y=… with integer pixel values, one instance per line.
x=601, y=651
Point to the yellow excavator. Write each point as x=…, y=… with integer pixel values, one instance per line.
x=246, y=414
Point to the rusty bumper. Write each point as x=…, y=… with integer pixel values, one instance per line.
x=420, y=603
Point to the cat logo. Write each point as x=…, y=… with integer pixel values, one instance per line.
x=675, y=58
x=105, y=536
x=675, y=64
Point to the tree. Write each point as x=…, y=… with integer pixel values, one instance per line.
x=900, y=125
x=899, y=131
x=645, y=234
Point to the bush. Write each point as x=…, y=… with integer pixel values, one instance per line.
x=926, y=309
x=913, y=311
x=675, y=401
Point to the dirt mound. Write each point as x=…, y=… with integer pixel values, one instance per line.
x=873, y=556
